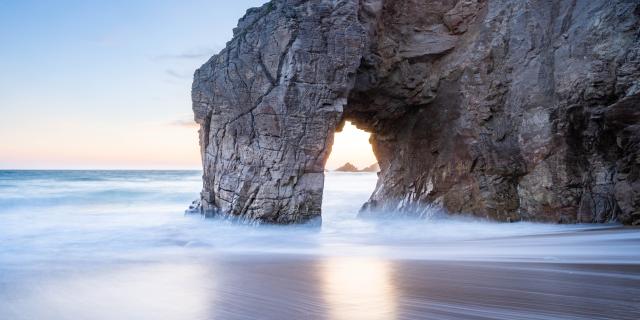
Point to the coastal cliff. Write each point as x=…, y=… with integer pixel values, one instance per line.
x=510, y=110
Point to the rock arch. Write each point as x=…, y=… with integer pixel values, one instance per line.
x=511, y=110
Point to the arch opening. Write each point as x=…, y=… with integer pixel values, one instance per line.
x=351, y=146
x=350, y=173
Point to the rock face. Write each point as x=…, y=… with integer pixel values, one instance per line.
x=510, y=110
x=268, y=106
x=348, y=167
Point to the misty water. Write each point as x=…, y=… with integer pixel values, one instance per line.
x=116, y=245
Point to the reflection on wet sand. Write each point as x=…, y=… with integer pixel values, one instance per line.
x=113, y=245
x=166, y=291
x=358, y=288
x=328, y=288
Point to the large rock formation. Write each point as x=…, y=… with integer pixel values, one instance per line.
x=268, y=106
x=511, y=110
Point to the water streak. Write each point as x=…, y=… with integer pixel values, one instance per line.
x=115, y=244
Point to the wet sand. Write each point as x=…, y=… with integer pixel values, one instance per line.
x=115, y=245
x=310, y=287
x=368, y=288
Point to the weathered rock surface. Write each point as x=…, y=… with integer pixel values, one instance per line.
x=268, y=106
x=511, y=110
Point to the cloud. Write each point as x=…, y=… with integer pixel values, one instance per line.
x=188, y=55
x=183, y=123
x=180, y=75
x=193, y=54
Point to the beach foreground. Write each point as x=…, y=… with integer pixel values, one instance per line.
x=285, y=287
x=115, y=245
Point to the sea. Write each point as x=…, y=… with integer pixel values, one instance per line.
x=118, y=245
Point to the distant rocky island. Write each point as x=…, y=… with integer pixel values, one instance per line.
x=509, y=110
x=372, y=168
x=349, y=167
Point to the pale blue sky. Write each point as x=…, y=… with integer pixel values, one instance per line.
x=106, y=84
x=77, y=74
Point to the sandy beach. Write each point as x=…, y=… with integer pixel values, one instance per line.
x=116, y=245
x=294, y=287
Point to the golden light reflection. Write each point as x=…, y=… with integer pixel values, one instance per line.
x=358, y=288
x=351, y=145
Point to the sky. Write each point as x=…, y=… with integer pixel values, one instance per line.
x=106, y=84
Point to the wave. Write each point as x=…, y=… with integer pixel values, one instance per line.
x=132, y=216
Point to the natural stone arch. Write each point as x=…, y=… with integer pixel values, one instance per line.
x=510, y=110
x=268, y=105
